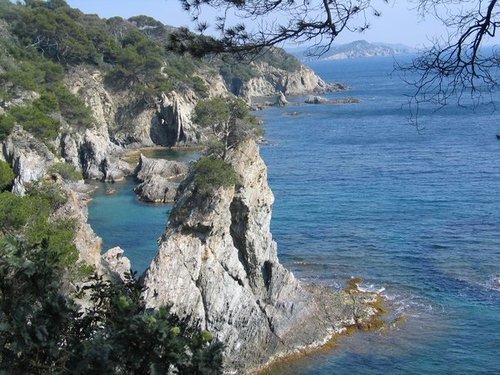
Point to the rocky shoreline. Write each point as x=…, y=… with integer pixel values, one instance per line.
x=217, y=263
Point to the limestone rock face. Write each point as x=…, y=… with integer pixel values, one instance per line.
x=217, y=266
x=148, y=167
x=157, y=189
x=172, y=124
x=28, y=157
x=87, y=242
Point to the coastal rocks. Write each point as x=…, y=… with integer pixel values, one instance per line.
x=94, y=155
x=217, y=267
x=172, y=124
x=157, y=179
x=28, y=157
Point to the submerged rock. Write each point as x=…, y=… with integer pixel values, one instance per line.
x=217, y=266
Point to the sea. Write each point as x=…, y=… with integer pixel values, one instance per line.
x=361, y=191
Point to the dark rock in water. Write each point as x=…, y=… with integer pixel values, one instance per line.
x=217, y=267
x=166, y=168
x=157, y=179
x=315, y=99
x=157, y=189
x=281, y=100
x=498, y=137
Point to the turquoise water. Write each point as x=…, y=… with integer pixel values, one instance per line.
x=122, y=220
x=361, y=192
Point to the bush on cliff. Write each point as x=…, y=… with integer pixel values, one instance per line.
x=211, y=174
x=67, y=171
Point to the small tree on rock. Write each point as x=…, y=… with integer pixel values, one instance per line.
x=228, y=120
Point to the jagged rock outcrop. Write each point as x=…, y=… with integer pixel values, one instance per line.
x=158, y=179
x=172, y=124
x=28, y=157
x=217, y=266
x=114, y=264
x=157, y=189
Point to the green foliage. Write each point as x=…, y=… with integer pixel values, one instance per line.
x=66, y=171
x=44, y=330
x=211, y=174
x=27, y=220
x=6, y=175
x=278, y=58
x=134, y=340
x=232, y=69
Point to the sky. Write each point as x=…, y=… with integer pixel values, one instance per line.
x=399, y=23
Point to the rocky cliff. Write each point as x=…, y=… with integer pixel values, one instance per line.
x=271, y=81
x=217, y=266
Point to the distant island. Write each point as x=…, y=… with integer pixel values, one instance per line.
x=357, y=49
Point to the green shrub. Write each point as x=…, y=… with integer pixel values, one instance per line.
x=72, y=108
x=6, y=175
x=211, y=174
x=66, y=171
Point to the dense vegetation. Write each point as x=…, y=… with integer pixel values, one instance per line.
x=211, y=174
x=43, y=329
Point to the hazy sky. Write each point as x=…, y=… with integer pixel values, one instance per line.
x=398, y=24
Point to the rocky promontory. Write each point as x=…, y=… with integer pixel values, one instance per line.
x=217, y=267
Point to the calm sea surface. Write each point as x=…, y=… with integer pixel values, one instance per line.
x=360, y=192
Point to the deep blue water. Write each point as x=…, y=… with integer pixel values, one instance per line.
x=360, y=192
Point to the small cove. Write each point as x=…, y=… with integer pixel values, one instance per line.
x=120, y=219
